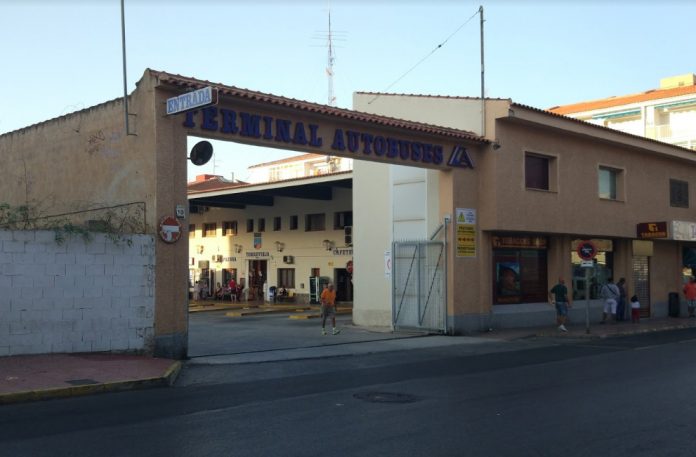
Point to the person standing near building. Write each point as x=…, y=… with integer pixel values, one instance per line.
x=635, y=310
x=621, y=303
x=558, y=295
x=328, y=308
x=690, y=295
x=610, y=293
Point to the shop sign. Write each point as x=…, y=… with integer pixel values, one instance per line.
x=191, y=100
x=648, y=230
x=528, y=242
x=258, y=254
x=343, y=251
x=684, y=231
x=229, y=259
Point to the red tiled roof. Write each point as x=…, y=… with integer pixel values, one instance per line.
x=212, y=182
x=221, y=184
x=595, y=126
x=192, y=83
x=653, y=94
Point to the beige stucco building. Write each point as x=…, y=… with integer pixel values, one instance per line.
x=544, y=184
x=467, y=222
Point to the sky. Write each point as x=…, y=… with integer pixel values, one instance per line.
x=60, y=56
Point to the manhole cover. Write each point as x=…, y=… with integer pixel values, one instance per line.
x=386, y=397
x=81, y=382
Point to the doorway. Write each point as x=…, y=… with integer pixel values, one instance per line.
x=641, y=282
x=257, y=279
x=344, y=285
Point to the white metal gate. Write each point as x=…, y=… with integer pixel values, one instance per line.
x=418, y=286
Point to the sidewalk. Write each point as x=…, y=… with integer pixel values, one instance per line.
x=39, y=377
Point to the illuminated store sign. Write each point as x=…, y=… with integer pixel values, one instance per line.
x=285, y=131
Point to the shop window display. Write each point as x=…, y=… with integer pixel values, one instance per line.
x=520, y=274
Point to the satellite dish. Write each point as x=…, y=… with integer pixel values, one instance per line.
x=201, y=153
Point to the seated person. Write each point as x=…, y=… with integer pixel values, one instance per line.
x=218, y=291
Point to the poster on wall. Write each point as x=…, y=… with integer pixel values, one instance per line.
x=507, y=281
x=466, y=232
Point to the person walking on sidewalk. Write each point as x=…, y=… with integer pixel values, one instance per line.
x=558, y=295
x=690, y=295
x=610, y=293
x=328, y=308
x=621, y=302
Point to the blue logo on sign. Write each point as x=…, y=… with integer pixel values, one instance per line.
x=460, y=158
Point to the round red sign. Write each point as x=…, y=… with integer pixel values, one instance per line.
x=170, y=229
x=587, y=250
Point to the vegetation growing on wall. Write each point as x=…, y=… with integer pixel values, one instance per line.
x=116, y=222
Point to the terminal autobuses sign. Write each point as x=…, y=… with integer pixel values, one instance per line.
x=306, y=135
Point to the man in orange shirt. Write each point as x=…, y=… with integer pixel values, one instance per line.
x=690, y=295
x=328, y=308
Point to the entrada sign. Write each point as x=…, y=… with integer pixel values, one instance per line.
x=191, y=100
x=286, y=131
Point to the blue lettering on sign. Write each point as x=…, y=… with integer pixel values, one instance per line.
x=296, y=132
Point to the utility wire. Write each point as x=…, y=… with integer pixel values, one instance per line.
x=426, y=57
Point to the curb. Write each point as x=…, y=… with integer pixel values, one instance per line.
x=167, y=380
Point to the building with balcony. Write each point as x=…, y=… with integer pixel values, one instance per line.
x=666, y=114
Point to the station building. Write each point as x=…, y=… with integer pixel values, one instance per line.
x=464, y=212
x=290, y=229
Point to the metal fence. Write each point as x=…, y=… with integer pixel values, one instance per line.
x=418, y=286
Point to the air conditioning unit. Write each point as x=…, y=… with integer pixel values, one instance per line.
x=348, y=235
x=288, y=259
x=217, y=258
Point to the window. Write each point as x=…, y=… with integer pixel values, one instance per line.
x=250, y=225
x=229, y=228
x=536, y=172
x=343, y=219
x=262, y=224
x=610, y=183
x=293, y=222
x=277, y=223
x=315, y=222
x=210, y=229
x=192, y=230
x=520, y=270
x=678, y=193
x=286, y=278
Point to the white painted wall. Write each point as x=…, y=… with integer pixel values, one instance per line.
x=78, y=296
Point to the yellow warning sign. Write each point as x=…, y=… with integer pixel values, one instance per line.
x=466, y=240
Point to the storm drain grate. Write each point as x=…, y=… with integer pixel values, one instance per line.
x=386, y=397
x=81, y=382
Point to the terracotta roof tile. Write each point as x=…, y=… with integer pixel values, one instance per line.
x=221, y=184
x=192, y=83
x=654, y=94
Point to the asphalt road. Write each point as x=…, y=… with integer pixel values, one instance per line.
x=633, y=396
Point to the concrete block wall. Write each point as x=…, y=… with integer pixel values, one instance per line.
x=78, y=296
